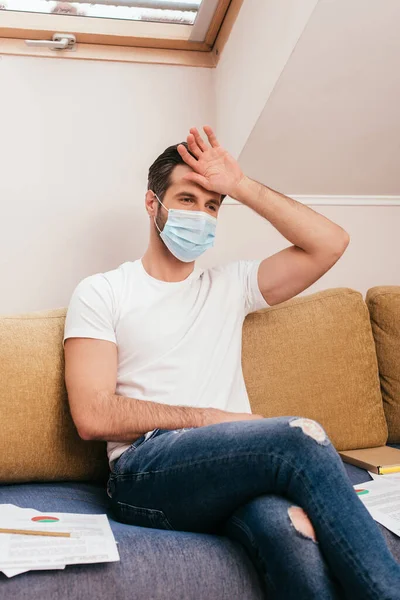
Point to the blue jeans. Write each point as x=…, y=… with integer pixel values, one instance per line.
x=239, y=479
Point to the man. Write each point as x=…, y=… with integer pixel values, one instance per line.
x=153, y=366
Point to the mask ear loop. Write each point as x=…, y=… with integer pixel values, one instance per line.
x=160, y=201
x=154, y=219
x=156, y=224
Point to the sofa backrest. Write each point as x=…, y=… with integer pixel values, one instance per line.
x=39, y=441
x=314, y=356
x=311, y=356
x=384, y=307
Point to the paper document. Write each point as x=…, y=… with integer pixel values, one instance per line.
x=386, y=477
x=91, y=541
x=381, y=497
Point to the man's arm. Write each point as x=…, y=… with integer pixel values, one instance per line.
x=318, y=242
x=120, y=418
x=99, y=414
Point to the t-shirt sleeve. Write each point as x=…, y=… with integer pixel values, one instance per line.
x=253, y=299
x=91, y=310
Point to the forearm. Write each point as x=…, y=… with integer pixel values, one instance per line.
x=297, y=222
x=119, y=418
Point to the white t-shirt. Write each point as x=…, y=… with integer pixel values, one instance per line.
x=179, y=343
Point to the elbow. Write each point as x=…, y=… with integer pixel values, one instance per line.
x=336, y=250
x=341, y=244
x=84, y=431
x=85, y=435
x=89, y=434
x=346, y=241
x=85, y=421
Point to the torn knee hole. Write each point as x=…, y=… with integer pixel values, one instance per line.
x=301, y=522
x=311, y=428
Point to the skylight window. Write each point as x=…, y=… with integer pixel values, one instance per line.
x=162, y=11
x=188, y=32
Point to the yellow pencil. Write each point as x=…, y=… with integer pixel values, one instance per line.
x=383, y=470
x=31, y=532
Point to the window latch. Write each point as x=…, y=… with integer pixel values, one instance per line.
x=61, y=41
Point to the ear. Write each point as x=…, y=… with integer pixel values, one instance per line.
x=150, y=199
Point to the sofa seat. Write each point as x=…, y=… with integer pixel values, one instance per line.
x=154, y=564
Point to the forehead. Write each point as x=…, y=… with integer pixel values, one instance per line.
x=178, y=172
x=177, y=183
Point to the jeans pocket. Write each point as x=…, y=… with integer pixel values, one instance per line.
x=119, y=465
x=141, y=516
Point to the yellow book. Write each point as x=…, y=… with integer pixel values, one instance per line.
x=380, y=460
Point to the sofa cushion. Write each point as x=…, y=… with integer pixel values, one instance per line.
x=39, y=441
x=154, y=563
x=314, y=356
x=384, y=307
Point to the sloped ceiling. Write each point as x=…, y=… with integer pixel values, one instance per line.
x=331, y=124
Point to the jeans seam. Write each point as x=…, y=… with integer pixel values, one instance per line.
x=244, y=527
x=157, y=512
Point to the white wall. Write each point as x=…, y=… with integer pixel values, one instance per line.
x=372, y=257
x=77, y=138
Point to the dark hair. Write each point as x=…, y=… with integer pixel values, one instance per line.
x=159, y=178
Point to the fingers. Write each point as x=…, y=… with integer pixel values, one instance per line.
x=211, y=136
x=193, y=147
x=196, y=143
x=199, y=140
x=192, y=162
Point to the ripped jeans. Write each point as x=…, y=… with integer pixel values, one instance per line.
x=244, y=479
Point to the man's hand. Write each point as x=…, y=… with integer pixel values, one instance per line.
x=215, y=415
x=214, y=168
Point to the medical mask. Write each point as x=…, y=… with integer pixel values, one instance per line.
x=187, y=233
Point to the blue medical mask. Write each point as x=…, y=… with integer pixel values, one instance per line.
x=187, y=233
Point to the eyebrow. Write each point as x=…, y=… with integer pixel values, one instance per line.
x=190, y=195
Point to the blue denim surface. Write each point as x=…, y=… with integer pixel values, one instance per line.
x=238, y=479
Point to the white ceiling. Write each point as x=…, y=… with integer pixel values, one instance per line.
x=332, y=122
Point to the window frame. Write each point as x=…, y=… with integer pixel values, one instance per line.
x=109, y=39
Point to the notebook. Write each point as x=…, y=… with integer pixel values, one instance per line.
x=380, y=460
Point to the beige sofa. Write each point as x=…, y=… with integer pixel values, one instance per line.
x=329, y=356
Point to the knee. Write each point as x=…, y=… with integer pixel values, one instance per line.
x=301, y=522
x=310, y=428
